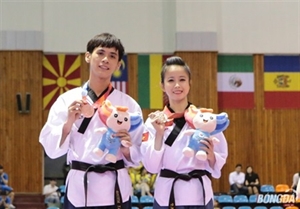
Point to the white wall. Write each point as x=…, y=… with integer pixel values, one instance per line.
x=149, y=26
x=21, y=15
x=197, y=16
x=21, y=23
x=260, y=27
x=69, y=25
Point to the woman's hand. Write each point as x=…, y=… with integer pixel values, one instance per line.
x=158, y=120
x=209, y=149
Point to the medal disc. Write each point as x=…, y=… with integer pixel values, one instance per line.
x=87, y=110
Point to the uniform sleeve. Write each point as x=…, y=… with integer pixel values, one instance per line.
x=221, y=153
x=51, y=133
x=136, y=139
x=151, y=158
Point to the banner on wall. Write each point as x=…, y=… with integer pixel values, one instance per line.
x=282, y=82
x=150, y=95
x=235, y=82
x=119, y=79
x=61, y=72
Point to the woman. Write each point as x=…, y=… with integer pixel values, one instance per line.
x=182, y=181
x=252, y=181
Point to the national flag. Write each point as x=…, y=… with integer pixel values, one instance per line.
x=282, y=81
x=150, y=94
x=119, y=79
x=235, y=82
x=120, y=85
x=61, y=73
x=145, y=136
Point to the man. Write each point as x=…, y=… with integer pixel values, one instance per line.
x=4, y=188
x=295, y=180
x=93, y=182
x=5, y=202
x=51, y=193
x=236, y=181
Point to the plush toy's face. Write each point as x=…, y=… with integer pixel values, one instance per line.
x=118, y=120
x=205, y=121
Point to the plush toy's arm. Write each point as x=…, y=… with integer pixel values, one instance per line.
x=189, y=132
x=101, y=130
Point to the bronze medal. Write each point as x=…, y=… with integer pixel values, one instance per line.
x=87, y=110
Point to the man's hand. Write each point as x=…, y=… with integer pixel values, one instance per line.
x=125, y=139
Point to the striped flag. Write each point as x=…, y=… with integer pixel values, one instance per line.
x=282, y=82
x=150, y=94
x=119, y=79
x=235, y=82
x=61, y=73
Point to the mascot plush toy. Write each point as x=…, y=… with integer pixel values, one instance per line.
x=115, y=118
x=205, y=124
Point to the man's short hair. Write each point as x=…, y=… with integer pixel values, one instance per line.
x=238, y=165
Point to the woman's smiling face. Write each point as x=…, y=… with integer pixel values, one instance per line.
x=176, y=83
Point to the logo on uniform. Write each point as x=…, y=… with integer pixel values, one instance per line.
x=145, y=137
x=282, y=81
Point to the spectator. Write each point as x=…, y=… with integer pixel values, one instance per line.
x=134, y=173
x=295, y=180
x=237, y=180
x=252, y=181
x=216, y=204
x=51, y=192
x=5, y=202
x=298, y=190
x=143, y=183
x=4, y=188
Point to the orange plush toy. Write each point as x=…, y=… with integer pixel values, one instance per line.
x=205, y=124
x=115, y=118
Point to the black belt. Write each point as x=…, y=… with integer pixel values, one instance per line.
x=183, y=176
x=86, y=167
